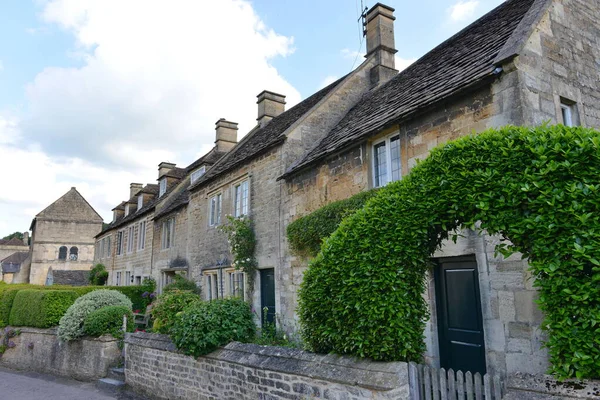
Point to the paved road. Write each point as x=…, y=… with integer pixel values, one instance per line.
x=32, y=386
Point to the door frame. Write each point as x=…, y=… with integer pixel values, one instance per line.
x=439, y=302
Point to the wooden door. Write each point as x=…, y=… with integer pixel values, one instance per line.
x=460, y=322
x=267, y=294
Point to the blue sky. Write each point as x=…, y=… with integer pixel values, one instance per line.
x=96, y=93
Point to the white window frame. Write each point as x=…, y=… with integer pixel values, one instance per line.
x=241, y=196
x=215, y=209
x=388, y=159
x=197, y=174
x=101, y=243
x=107, y=247
x=213, y=286
x=167, y=234
x=236, y=283
x=127, y=278
x=120, y=242
x=118, y=278
x=141, y=242
x=140, y=201
x=162, y=186
x=126, y=209
x=130, y=238
x=566, y=111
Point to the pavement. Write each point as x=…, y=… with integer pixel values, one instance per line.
x=19, y=385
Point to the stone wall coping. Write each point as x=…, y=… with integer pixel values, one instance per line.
x=571, y=388
x=329, y=367
x=52, y=332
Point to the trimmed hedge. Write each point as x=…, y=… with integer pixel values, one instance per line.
x=206, y=325
x=308, y=232
x=40, y=308
x=108, y=320
x=537, y=187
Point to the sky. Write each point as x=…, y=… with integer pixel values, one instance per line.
x=96, y=93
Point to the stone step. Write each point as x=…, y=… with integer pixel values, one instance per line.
x=117, y=374
x=110, y=385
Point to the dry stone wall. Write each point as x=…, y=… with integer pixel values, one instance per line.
x=246, y=371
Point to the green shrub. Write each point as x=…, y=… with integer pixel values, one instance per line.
x=108, y=320
x=168, y=305
x=206, y=325
x=134, y=293
x=71, y=324
x=98, y=275
x=306, y=234
x=7, y=296
x=182, y=283
x=538, y=188
x=40, y=308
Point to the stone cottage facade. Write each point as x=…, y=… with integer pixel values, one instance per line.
x=62, y=239
x=12, y=256
x=525, y=63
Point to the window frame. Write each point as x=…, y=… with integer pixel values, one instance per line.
x=127, y=278
x=241, y=198
x=214, y=217
x=236, y=276
x=212, y=282
x=66, y=252
x=118, y=278
x=141, y=237
x=140, y=201
x=130, y=238
x=566, y=112
x=167, y=234
x=120, y=235
x=197, y=174
x=162, y=187
x=389, y=171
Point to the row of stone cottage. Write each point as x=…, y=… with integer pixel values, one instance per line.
x=525, y=63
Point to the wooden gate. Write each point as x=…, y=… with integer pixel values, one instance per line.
x=428, y=383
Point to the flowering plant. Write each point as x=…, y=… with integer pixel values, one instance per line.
x=242, y=243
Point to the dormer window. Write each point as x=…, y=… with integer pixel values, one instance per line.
x=126, y=209
x=140, y=201
x=162, y=188
x=197, y=174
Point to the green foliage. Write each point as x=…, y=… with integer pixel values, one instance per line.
x=98, y=275
x=242, y=243
x=306, y=234
x=40, y=308
x=71, y=324
x=538, y=188
x=206, y=325
x=7, y=296
x=18, y=235
x=182, y=283
x=271, y=335
x=149, y=284
x=108, y=320
x=168, y=306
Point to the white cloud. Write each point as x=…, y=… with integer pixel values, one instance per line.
x=327, y=81
x=403, y=63
x=463, y=10
x=1, y=66
x=155, y=78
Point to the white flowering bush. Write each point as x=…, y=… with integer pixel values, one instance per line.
x=242, y=243
x=71, y=324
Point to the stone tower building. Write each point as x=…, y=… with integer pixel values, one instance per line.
x=62, y=237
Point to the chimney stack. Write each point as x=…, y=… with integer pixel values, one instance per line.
x=134, y=188
x=380, y=43
x=226, y=134
x=26, y=238
x=164, y=167
x=270, y=105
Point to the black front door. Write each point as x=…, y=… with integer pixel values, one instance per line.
x=267, y=294
x=460, y=323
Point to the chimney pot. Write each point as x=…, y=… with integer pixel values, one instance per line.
x=226, y=134
x=381, y=43
x=134, y=188
x=270, y=105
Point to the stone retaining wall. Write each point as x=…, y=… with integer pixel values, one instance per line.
x=40, y=350
x=545, y=387
x=247, y=371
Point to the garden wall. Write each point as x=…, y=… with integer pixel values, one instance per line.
x=247, y=371
x=545, y=387
x=40, y=350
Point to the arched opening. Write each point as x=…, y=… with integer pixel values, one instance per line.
x=73, y=253
x=62, y=253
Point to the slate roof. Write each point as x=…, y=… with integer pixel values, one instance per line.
x=182, y=196
x=468, y=58
x=12, y=242
x=260, y=139
x=175, y=172
x=12, y=263
x=71, y=278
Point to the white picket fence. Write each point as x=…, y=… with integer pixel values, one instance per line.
x=428, y=383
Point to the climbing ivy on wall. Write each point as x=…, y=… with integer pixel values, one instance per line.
x=538, y=188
